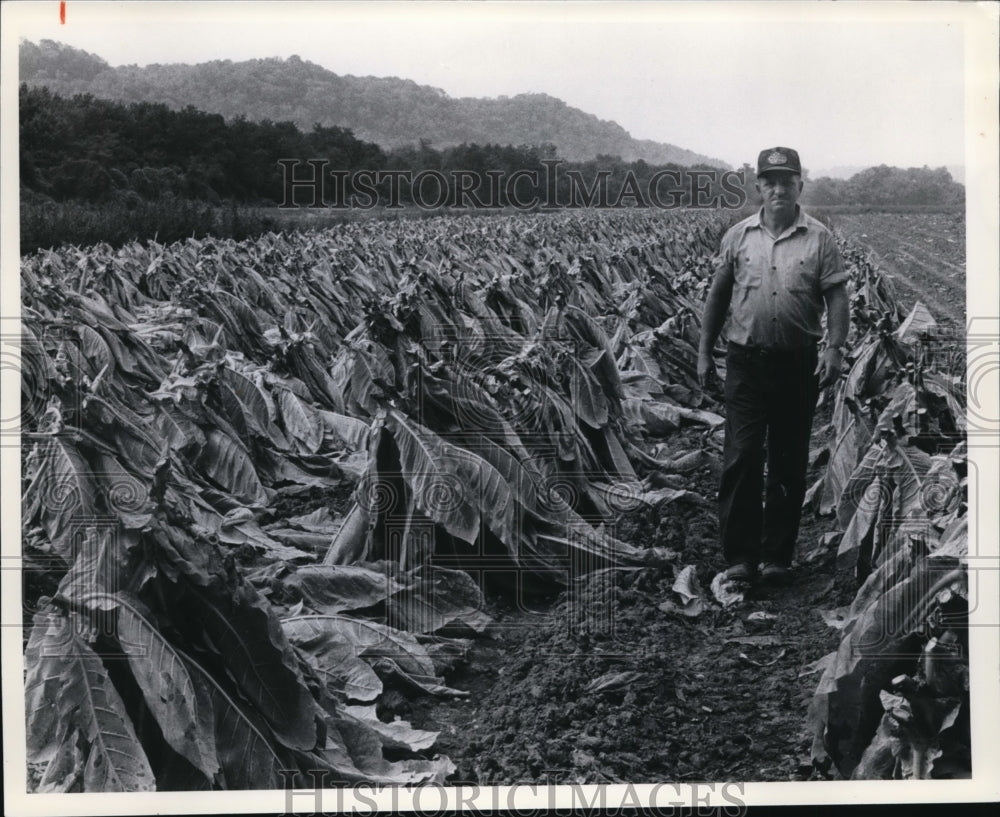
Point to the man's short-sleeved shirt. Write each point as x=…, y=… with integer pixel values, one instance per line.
x=778, y=283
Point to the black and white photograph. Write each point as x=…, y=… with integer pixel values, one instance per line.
x=424, y=406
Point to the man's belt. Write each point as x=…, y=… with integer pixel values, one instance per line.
x=773, y=352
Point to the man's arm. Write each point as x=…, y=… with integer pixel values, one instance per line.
x=713, y=316
x=838, y=323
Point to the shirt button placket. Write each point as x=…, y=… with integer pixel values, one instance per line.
x=774, y=295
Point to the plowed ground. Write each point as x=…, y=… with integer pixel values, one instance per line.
x=924, y=253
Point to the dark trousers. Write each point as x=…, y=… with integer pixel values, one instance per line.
x=770, y=400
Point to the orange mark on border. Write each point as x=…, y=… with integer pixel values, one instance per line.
x=62, y=12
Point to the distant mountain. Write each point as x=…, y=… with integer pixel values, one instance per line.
x=388, y=111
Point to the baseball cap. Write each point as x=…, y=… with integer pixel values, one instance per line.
x=778, y=159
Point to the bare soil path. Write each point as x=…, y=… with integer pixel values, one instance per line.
x=636, y=694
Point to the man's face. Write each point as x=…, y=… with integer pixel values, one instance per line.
x=779, y=191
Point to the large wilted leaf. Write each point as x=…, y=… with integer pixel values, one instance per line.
x=852, y=438
x=44, y=665
x=692, y=596
x=613, y=456
x=889, y=480
x=371, y=375
x=907, y=464
x=659, y=418
x=71, y=702
x=599, y=359
x=878, y=361
x=240, y=320
x=243, y=627
x=877, y=616
x=952, y=391
x=435, y=598
x=906, y=743
x=383, y=646
x=248, y=395
x=857, y=537
x=36, y=370
x=335, y=588
x=515, y=465
x=555, y=418
x=248, y=533
x=133, y=438
x=371, y=638
x=334, y=657
x=125, y=495
x=954, y=542
x=349, y=541
x=354, y=751
x=130, y=353
x=352, y=431
x=178, y=552
x=167, y=687
x=884, y=623
x=577, y=544
x=918, y=321
x=176, y=428
x=247, y=756
x=456, y=488
x=62, y=492
x=861, y=477
x=229, y=464
x=586, y=395
x=243, y=405
x=475, y=412
x=419, y=683
x=95, y=349
x=98, y=565
x=317, y=521
x=301, y=421
x=396, y=734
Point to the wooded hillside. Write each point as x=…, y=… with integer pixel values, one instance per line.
x=388, y=111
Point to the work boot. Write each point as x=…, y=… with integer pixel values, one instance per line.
x=774, y=573
x=741, y=572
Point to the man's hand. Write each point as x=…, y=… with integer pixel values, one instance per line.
x=829, y=367
x=713, y=316
x=706, y=369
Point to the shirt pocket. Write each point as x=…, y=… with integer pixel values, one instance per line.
x=802, y=275
x=748, y=274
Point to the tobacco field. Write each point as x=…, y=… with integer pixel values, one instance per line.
x=433, y=501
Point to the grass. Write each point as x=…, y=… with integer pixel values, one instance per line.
x=49, y=224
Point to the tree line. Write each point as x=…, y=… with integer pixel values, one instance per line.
x=884, y=185
x=93, y=150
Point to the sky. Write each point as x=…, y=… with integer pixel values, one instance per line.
x=846, y=84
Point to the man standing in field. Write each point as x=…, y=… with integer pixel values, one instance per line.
x=775, y=272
